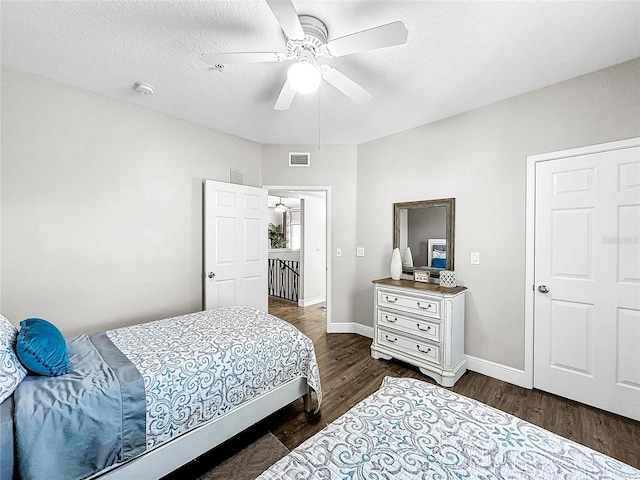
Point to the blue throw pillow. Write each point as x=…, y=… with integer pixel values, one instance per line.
x=439, y=262
x=41, y=348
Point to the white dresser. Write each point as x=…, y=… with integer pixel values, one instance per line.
x=421, y=324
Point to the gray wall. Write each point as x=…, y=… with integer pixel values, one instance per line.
x=333, y=166
x=102, y=206
x=480, y=159
x=101, y=201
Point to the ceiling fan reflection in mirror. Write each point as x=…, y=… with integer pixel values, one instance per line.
x=306, y=42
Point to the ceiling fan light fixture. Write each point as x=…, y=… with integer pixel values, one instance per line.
x=280, y=207
x=304, y=76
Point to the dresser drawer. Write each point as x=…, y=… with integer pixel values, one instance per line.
x=430, y=307
x=422, y=328
x=417, y=348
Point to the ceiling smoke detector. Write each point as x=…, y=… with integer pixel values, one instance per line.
x=144, y=88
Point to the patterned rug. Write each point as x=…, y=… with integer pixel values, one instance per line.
x=249, y=462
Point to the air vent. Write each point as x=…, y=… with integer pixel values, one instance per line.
x=299, y=159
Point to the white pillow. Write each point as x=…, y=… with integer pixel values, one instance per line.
x=439, y=254
x=11, y=370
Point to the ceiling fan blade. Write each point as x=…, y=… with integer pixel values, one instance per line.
x=378, y=37
x=242, y=57
x=286, y=97
x=347, y=86
x=287, y=17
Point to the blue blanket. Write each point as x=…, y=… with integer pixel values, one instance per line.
x=7, y=453
x=74, y=425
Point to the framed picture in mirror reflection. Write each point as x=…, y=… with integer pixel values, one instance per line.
x=437, y=253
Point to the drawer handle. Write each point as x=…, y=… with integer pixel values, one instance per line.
x=392, y=340
x=428, y=307
x=391, y=301
x=395, y=319
x=428, y=350
x=424, y=329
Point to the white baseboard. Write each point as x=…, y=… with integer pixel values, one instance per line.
x=364, y=331
x=351, y=327
x=305, y=302
x=505, y=373
x=497, y=370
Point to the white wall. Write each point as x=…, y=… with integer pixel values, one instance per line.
x=334, y=166
x=102, y=205
x=275, y=218
x=480, y=159
x=314, y=249
x=285, y=254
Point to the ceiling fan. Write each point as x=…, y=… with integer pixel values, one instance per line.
x=306, y=42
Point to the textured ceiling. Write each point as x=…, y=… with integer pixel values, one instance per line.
x=459, y=56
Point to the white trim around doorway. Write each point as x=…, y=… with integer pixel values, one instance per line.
x=327, y=192
x=532, y=161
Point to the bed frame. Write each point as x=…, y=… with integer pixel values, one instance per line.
x=177, y=452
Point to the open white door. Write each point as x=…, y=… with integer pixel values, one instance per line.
x=235, y=245
x=587, y=278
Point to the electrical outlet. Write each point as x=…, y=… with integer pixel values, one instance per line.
x=360, y=252
x=475, y=258
x=338, y=252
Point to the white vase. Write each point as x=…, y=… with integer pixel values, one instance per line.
x=447, y=278
x=407, y=260
x=396, y=264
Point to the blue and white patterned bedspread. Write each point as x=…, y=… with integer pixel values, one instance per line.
x=410, y=429
x=199, y=366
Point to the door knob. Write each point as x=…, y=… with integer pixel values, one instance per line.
x=543, y=289
x=211, y=275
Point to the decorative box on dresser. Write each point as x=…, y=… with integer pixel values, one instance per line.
x=421, y=324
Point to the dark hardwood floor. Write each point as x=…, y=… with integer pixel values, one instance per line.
x=349, y=374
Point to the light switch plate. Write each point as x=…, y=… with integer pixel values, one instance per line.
x=475, y=258
x=338, y=252
x=360, y=252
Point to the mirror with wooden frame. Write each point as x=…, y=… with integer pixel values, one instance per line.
x=427, y=228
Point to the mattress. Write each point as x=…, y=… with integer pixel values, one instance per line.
x=410, y=429
x=135, y=388
x=199, y=366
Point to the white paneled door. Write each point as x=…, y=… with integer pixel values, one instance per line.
x=587, y=278
x=235, y=245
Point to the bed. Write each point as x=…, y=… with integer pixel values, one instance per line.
x=410, y=429
x=140, y=401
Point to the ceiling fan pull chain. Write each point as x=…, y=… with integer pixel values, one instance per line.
x=319, y=116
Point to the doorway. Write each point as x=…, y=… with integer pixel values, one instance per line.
x=583, y=275
x=315, y=245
